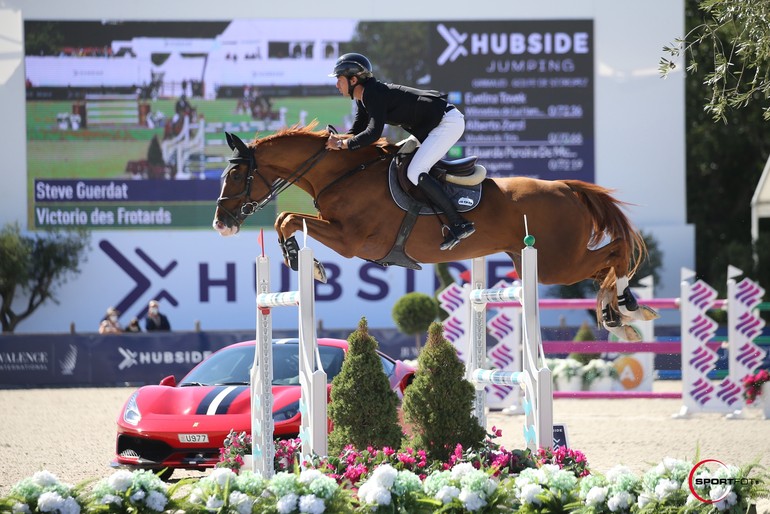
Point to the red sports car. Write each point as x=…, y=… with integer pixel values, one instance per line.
x=183, y=425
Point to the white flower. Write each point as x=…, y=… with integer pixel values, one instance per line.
x=529, y=494
x=70, y=506
x=617, y=471
x=447, y=493
x=619, y=501
x=156, y=500
x=287, y=504
x=471, y=500
x=727, y=502
x=462, y=469
x=214, y=503
x=121, y=480
x=138, y=496
x=308, y=475
x=665, y=487
x=596, y=496
x=384, y=475
x=221, y=476
x=644, y=499
x=45, y=479
x=380, y=496
x=111, y=498
x=240, y=502
x=375, y=491
x=20, y=508
x=311, y=504
x=50, y=501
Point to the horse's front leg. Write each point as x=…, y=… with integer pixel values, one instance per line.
x=290, y=249
x=328, y=233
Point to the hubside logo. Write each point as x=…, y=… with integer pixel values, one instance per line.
x=463, y=44
x=143, y=283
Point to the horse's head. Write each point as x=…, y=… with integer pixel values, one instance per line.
x=235, y=202
x=259, y=172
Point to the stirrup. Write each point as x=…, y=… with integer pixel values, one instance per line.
x=463, y=230
x=449, y=242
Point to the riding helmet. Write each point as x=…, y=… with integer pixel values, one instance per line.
x=352, y=65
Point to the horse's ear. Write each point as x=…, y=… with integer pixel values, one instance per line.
x=229, y=139
x=236, y=143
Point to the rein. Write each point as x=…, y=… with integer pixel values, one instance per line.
x=345, y=176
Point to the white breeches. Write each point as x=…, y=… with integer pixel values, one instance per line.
x=437, y=144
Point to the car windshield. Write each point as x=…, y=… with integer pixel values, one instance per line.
x=232, y=366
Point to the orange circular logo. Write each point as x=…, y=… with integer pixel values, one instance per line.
x=630, y=371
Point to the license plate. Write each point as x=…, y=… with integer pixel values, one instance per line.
x=193, y=438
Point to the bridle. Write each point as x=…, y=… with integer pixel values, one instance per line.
x=273, y=190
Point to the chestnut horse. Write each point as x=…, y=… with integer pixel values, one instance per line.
x=357, y=216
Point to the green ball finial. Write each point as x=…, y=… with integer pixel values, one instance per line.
x=529, y=240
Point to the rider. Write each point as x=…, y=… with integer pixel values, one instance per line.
x=426, y=115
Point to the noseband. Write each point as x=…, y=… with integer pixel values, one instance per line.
x=273, y=190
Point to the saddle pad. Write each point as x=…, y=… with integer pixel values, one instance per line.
x=464, y=198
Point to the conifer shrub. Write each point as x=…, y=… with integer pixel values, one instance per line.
x=584, y=333
x=363, y=407
x=439, y=403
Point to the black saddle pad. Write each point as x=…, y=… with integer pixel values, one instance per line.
x=464, y=198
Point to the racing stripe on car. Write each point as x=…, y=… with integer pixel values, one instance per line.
x=203, y=407
x=214, y=405
x=219, y=399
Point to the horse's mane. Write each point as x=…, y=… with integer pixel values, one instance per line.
x=309, y=130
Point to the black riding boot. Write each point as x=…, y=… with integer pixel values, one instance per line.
x=458, y=228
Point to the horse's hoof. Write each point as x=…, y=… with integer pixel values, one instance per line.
x=625, y=333
x=319, y=272
x=642, y=313
x=648, y=313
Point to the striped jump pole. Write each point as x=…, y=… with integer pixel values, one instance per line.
x=312, y=377
x=535, y=377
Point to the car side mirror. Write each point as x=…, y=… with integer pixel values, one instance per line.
x=169, y=381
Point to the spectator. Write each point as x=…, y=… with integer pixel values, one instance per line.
x=155, y=320
x=111, y=324
x=133, y=326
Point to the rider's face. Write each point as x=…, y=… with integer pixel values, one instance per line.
x=342, y=84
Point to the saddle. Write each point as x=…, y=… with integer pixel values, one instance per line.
x=462, y=181
x=449, y=173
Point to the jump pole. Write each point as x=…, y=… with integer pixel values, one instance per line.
x=312, y=377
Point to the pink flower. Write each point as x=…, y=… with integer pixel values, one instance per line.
x=406, y=458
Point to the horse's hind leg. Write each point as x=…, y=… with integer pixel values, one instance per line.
x=628, y=306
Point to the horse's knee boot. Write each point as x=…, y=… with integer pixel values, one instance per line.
x=290, y=249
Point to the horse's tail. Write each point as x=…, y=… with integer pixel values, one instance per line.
x=610, y=220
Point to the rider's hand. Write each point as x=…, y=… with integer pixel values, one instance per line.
x=335, y=143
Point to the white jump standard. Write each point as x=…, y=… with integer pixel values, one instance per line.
x=312, y=377
x=535, y=377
